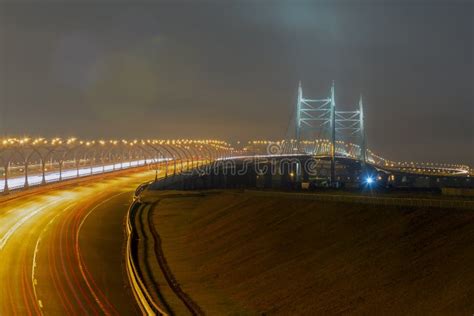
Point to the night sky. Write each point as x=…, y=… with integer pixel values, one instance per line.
x=230, y=70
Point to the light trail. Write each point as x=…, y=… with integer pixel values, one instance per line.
x=81, y=264
x=45, y=265
x=31, y=213
x=30, y=162
x=35, y=180
x=33, y=265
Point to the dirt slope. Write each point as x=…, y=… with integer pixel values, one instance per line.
x=235, y=253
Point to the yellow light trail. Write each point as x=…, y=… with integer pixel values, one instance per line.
x=43, y=268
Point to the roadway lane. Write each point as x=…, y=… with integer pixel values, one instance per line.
x=61, y=251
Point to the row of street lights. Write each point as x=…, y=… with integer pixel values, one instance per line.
x=46, y=156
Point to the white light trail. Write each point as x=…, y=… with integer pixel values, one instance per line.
x=36, y=179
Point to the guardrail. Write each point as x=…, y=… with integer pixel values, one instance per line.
x=142, y=296
x=385, y=201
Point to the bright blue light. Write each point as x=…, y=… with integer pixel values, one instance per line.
x=369, y=180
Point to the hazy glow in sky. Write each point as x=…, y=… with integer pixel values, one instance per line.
x=230, y=70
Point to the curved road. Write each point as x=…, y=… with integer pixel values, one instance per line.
x=61, y=251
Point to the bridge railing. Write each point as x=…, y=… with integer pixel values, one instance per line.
x=32, y=162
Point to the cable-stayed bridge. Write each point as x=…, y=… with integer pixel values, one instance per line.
x=319, y=130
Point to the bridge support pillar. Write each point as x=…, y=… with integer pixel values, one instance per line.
x=333, y=137
x=298, y=114
x=363, y=145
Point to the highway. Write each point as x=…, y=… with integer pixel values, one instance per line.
x=61, y=250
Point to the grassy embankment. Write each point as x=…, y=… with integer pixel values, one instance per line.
x=235, y=253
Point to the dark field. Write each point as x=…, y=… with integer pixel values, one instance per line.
x=236, y=253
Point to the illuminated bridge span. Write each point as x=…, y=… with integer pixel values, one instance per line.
x=29, y=162
x=321, y=130
x=321, y=148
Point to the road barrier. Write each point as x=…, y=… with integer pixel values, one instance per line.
x=142, y=296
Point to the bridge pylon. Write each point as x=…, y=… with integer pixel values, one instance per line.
x=363, y=144
x=333, y=136
x=314, y=116
x=299, y=99
x=318, y=119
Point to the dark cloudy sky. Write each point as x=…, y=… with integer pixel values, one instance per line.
x=229, y=69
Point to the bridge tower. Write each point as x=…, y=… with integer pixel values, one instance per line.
x=318, y=118
x=299, y=99
x=315, y=117
x=333, y=135
x=363, y=144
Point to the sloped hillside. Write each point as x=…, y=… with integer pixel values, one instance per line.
x=235, y=253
